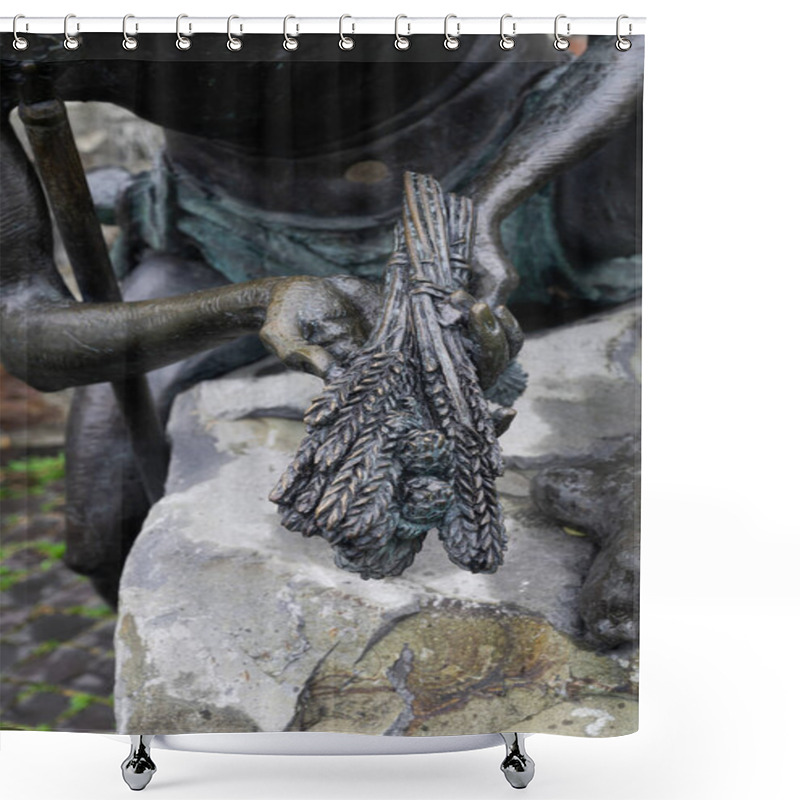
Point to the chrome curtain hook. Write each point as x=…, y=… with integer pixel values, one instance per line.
x=622, y=44
x=70, y=42
x=234, y=43
x=182, y=42
x=560, y=43
x=507, y=42
x=401, y=42
x=129, y=42
x=289, y=42
x=20, y=42
x=451, y=42
x=346, y=42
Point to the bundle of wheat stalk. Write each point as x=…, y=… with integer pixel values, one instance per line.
x=401, y=440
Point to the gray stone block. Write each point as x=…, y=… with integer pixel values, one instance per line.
x=229, y=622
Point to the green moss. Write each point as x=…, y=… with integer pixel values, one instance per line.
x=53, y=553
x=79, y=701
x=11, y=577
x=93, y=612
x=30, y=476
x=46, y=647
x=39, y=688
x=44, y=469
x=16, y=726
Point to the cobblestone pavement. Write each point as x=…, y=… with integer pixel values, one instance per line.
x=56, y=634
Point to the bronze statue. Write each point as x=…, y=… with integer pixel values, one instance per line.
x=402, y=440
x=243, y=233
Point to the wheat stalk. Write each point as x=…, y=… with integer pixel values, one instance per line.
x=401, y=439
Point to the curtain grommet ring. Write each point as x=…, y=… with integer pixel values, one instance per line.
x=346, y=42
x=507, y=40
x=401, y=42
x=234, y=44
x=129, y=42
x=622, y=44
x=560, y=42
x=182, y=42
x=71, y=42
x=290, y=43
x=20, y=42
x=451, y=42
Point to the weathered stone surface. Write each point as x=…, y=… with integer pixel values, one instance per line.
x=229, y=622
x=596, y=495
x=457, y=666
x=583, y=386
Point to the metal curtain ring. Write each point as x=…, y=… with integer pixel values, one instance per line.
x=451, y=42
x=234, y=43
x=129, y=42
x=401, y=42
x=182, y=42
x=507, y=42
x=346, y=42
x=289, y=43
x=560, y=43
x=20, y=42
x=622, y=44
x=70, y=42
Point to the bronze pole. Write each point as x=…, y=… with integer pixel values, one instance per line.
x=62, y=176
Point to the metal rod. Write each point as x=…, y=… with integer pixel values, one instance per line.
x=64, y=181
x=274, y=25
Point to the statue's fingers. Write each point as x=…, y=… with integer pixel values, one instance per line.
x=286, y=342
x=514, y=335
x=494, y=276
x=340, y=336
x=364, y=298
x=502, y=418
x=462, y=300
x=490, y=339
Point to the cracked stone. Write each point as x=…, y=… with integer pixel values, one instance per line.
x=276, y=637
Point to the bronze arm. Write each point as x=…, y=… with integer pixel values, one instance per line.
x=52, y=341
x=591, y=100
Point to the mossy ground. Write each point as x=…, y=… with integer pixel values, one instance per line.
x=56, y=634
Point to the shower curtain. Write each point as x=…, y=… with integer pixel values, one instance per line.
x=382, y=475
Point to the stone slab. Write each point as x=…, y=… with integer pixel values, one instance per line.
x=229, y=622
